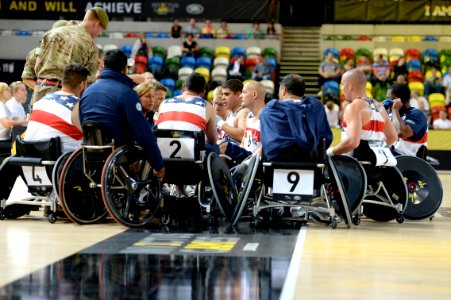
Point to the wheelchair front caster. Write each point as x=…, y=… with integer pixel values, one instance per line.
x=333, y=222
x=431, y=218
x=165, y=220
x=52, y=218
x=400, y=219
x=2, y=215
x=356, y=220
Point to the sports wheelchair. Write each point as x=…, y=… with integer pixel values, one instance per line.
x=291, y=190
x=99, y=178
x=37, y=164
x=198, y=188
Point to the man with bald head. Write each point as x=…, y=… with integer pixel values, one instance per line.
x=253, y=98
x=365, y=121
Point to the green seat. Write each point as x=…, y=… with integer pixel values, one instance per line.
x=270, y=52
x=173, y=63
x=206, y=51
x=363, y=52
x=159, y=51
x=168, y=94
x=178, y=84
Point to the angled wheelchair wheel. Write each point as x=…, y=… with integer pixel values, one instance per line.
x=130, y=191
x=425, y=192
x=222, y=184
x=81, y=203
x=386, y=210
x=353, y=179
x=247, y=181
x=57, y=170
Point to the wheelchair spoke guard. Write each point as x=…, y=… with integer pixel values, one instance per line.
x=81, y=203
x=130, y=191
x=425, y=192
x=222, y=184
x=247, y=182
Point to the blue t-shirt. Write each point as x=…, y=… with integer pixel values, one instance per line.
x=416, y=119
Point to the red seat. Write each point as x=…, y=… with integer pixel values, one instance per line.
x=412, y=53
x=250, y=63
x=415, y=76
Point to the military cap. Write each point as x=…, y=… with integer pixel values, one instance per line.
x=102, y=16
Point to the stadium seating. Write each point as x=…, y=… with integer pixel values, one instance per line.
x=188, y=61
x=206, y=51
x=270, y=52
x=203, y=62
x=416, y=85
x=236, y=51
x=174, y=51
x=269, y=86
x=127, y=49
x=382, y=51
x=346, y=53
x=155, y=64
x=222, y=51
x=412, y=53
x=169, y=83
x=219, y=74
x=221, y=61
x=253, y=51
x=395, y=53
x=159, y=51
x=205, y=72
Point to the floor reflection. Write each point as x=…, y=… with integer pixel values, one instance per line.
x=132, y=276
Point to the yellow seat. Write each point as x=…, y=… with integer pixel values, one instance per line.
x=205, y=72
x=369, y=89
x=210, y=96
x=222, y=51
x=382, y=51
x=429, y=74
x=419, y=86
x=436, y=100
x=398, y=38
x=414, y=38
x=395, y=54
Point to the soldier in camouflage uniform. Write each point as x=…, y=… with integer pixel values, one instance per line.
x=65, y=45
x=28, y=74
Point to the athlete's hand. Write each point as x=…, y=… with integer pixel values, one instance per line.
x=160, y=173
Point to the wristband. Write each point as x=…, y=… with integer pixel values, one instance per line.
x=220, y=123
x=330, y=151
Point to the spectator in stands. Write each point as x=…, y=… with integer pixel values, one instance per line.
x=381, y=71
x=364, y=64
x=332, y=113
x=329, y=70
x=400, y=68
x=433, y=84
x=400, y=79
x=15, y=104
x=192, y=28
x=145, y=92
x=447, y=86
x=190, y=111
x=235, y=124
x=6, y=121
x=348, y=65
x=176, y=29
x=68, y=44
x=410, y=123
x=141, y=47
x=190, y=47
x=236, y=69
x=271, y=30
x=112, y=102
x=223, y=32
x=263, y=70
x=421, y=103
x=255, y=31
x=148, y=77
x=442, y=122
x=283, y=130
x=51, y=116
x=253, y=99
x=208, y=31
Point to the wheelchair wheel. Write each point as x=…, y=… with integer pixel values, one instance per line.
x=81, y=203
x=14, y=211
x=248, y=180
x=397, y=191
x=57, y=170
x=425, y=192
x=353, y=178
x=130, y=191
x=337, y=191
x=222, y=184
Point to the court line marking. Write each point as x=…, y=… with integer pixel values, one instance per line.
x=289, y=285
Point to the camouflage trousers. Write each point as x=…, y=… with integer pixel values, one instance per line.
x=42, y=90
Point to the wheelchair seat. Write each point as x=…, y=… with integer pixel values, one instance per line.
x=34, y=161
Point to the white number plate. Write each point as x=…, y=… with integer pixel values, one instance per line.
x=36, y=176
x=182, y=148
x=293, y=182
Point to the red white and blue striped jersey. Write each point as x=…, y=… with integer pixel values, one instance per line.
x=373, y=130
x=251, y=139
x=183, y=114
x=51, y=117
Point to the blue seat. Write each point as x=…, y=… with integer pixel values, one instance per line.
x=188, y=61
x=169, y=83
x=273, y=62
x=238, y=51
x=163, y=35
x=335, y=51
x=23, y=33
x=239, y=37
x=177, y=93
x=430, y=55
x=127, y=49
x=155, y=64
x=331, y=88
x=413, y=65
x=203, y=62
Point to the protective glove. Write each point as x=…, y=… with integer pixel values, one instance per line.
x=387, y=104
